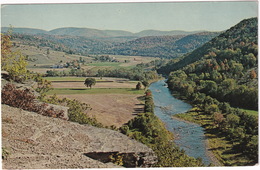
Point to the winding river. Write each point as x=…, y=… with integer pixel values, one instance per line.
x=188, y=136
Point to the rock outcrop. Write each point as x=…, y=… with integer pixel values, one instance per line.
x=35, y=142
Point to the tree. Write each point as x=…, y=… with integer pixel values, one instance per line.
x=101, y=73
x=89, y=82
x=145, y=83
x=138, y=86
x=233, y=120
x=218, y=118
x=253, y=74
x=12, y=61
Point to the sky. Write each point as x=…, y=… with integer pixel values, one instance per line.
x=133, y=17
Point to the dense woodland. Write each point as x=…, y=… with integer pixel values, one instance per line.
x=152, y=46
x=163, y=46
x=221, y=77
x=135, y=73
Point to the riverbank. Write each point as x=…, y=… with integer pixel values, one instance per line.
x=209, y=153
x=217, y=143
x=189, y=138
x=150, y=130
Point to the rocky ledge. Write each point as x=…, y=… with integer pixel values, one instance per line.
x=33, y=141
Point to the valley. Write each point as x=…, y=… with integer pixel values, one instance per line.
x=215, y=72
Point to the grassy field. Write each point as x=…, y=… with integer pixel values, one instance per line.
x=116, y=99
x=78, y=82
x=252, y=112
x=81, y=79
x=105, y=64
x=59, y=91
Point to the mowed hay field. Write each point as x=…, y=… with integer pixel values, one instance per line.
x=110, y=109
x=113, y=101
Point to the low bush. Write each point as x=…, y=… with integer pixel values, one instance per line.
x=25, y=99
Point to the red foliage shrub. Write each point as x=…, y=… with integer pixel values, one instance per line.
x=24, y=99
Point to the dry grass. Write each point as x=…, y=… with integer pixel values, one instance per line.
x=110, y=109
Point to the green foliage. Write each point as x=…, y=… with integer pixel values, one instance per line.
x=232, y=120
x=155, y=46
x=43, y=86
x=149, y=105
x=116, y=158
x=89, y=82
x=161, y=46
x=12, y=61
x=133, y=73
x=77, y=110
x=138, y=86
x=218, y=76
x=148, y=129
x=234, y=44
x=145, y=83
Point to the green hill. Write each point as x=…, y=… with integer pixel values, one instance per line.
x=146, y=33
x=25, y=30
x=152, y=46
x=242, y=36
x=163, y=46
x=229, y=61
x=220, y=80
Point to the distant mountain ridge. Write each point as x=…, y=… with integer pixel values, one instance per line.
x=25, y=30
x=92, y=33
x=164, y=33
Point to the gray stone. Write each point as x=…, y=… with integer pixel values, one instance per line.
x=35, y=141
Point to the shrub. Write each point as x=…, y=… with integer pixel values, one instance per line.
x=25, y=99
x=76, y=110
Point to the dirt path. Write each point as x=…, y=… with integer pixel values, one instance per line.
x=111, y=109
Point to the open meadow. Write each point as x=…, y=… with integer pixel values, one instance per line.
x=110, y=109
x=114, y=101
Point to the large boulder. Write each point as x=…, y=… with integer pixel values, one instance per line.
x=34, y=141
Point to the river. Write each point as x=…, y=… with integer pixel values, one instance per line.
x=188, y=136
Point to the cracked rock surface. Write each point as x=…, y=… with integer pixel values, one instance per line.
x=35, y=142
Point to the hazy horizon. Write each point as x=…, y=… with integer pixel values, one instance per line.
x=131, y=17
x=111, y=29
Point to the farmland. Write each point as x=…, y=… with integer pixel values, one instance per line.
x=41, y=59
x=110, y=109
x=116, y=99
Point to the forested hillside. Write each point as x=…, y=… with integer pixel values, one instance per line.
x=152, y=46
x=163, y=46
x=225, y=67
x=241, y=39
x=221, y=77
